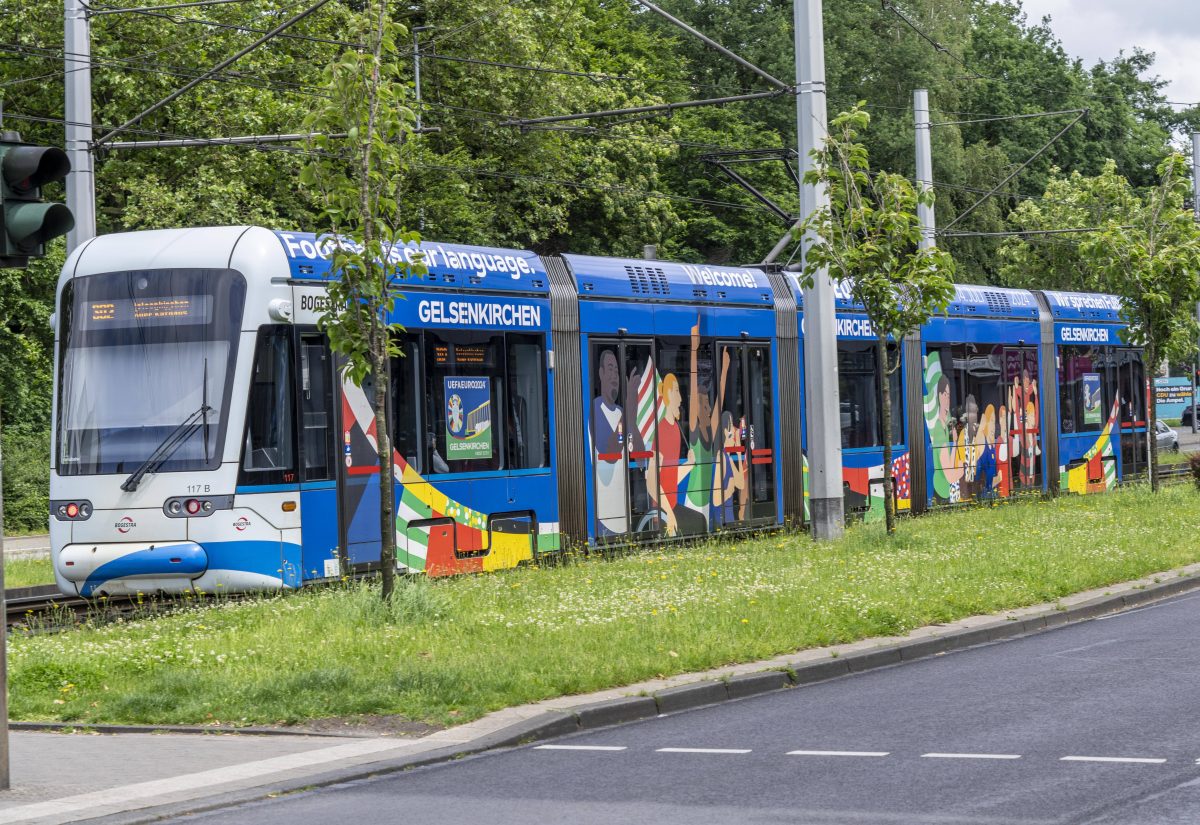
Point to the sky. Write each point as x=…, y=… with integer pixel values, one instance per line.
x=1099, y=29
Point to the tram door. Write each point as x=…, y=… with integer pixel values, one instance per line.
x=621, y=434
x=318, y=463
x=1131, y=385
x=744, y=481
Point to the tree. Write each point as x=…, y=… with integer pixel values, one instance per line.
x=356, y=179
x=1149, y=254
x=868, y=238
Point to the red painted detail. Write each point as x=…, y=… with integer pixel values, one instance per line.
x=612, y=457
x=762, y=452
x=735, y=450
x=857, y=478
x=362, y=471
x=176, y=561
x=640, y=454
x=766, y=460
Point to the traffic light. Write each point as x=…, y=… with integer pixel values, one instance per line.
x=26, y=221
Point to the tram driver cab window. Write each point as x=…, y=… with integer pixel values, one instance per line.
x=269, y=451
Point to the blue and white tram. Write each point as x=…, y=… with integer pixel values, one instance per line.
x=203, y=439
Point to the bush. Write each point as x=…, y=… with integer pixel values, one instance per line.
x=26, y=479
x=1194, y=465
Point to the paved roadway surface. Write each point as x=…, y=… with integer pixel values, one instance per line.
x=1092, y=723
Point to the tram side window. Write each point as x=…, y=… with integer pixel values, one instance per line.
x=269, y=453
x=316, y=407
x=527, y=435
x=465, y=392
x=861, y=402
x=407, y=396
x=1087, y=382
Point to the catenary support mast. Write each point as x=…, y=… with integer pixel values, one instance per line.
x=80, y=183
x=820, y=328
x=925, y=213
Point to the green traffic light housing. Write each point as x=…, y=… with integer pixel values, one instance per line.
x=27, y=221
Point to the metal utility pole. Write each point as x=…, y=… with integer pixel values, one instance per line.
x=820, y=326
x=4, y=774
x=1196, y=211
x=925, y=212
x=81, y=182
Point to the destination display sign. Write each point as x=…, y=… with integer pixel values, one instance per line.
x=146, y=312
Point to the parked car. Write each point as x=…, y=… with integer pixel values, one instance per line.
x=1185, y=420
x=1168, y=439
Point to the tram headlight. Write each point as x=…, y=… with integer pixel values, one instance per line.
x=174, y=507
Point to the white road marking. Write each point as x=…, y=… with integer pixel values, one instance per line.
x=1132, y=759
x=702, y=750
x=970, y=756
x=1085, y=647
x=579, y=748
x=837, y=753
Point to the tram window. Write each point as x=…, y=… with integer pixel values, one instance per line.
x=316, y=407
x=465, y=392
x=1087, y=382
x=407, y=397
x=861, y=402
x=269, y=454
x=527, y=432
x=762, y=433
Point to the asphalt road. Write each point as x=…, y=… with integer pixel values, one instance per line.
x=1093, y=723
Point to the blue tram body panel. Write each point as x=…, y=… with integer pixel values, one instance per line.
x=1103, y=393
x=452, y=519
x=648, y=475
x=982, y=400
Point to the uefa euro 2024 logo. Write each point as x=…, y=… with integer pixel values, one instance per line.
x=454, y=409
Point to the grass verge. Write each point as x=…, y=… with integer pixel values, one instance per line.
x=452, y=650
x=27, y=572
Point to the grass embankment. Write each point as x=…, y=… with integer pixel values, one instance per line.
x=27, y=572
x=452, y=650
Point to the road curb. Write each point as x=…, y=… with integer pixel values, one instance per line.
x=706, y=692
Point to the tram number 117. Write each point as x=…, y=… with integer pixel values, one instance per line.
x=198, y=488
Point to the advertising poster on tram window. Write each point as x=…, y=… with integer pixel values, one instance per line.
x=1092, y=414
x=468, y=417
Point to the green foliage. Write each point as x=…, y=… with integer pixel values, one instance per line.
x=1145, y=248
x=26, y=479
x=356, y=172
x=869, y=240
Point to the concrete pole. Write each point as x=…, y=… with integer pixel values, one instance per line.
x=925, y=212
x=81, y=182
x=820, y=330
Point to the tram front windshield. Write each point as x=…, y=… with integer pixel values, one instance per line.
x=146, y=359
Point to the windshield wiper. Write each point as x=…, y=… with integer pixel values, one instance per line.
x=167, y=448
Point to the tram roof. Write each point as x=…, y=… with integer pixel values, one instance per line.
x=450, y=266
x=1083, y=306
x=640, y=279
x=969, y=301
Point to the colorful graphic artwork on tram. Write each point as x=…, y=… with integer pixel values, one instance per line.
x=435, y=533
x=671, y=455
x=978, y=447
x=863, y=476
x=1097, y=470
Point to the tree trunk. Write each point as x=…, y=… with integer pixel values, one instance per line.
x=885, y=385
x=387, y=499
x=1152, y=412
